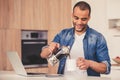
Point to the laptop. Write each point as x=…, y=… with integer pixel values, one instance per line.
x=18, y=66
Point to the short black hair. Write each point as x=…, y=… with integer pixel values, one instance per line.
x=83, y=6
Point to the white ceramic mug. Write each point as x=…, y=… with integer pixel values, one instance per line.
x=71, y=65
x=72, y=69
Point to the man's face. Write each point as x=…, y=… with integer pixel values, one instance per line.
x=80, y=19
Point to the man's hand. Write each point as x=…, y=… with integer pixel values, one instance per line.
x=82, y=63
x=53, y=46
x=47, y=51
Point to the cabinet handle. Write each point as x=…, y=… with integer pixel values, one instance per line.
x=34, y=42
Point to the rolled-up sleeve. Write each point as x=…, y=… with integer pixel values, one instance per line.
x=108, y=65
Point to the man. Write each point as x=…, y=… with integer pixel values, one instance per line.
x=88, y=46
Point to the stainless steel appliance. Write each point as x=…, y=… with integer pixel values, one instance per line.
x=32, y=43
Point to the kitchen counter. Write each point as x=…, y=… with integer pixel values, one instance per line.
x=115, y=72
x=10, y=75
x=114, y=75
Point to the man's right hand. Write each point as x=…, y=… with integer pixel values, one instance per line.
x=53, y=46
x=47, y=51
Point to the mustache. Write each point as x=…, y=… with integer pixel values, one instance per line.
x=80, y=24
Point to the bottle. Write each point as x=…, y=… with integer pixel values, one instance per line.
x=61, y=52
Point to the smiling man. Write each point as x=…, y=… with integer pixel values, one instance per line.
x=87, y=45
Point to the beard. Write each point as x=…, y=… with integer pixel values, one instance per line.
x=79, y=27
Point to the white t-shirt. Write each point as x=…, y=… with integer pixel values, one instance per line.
x=77, y=51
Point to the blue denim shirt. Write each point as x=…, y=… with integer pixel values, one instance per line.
x=94, y=45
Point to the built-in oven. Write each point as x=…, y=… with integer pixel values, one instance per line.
x=32, y=43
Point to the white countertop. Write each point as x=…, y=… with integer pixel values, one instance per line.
x=10, y=75
x=115, y=72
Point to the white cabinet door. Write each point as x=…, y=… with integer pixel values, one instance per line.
x=113, y=9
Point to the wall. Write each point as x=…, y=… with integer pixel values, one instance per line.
x=99, y=21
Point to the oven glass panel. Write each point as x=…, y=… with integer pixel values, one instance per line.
x=31, y=52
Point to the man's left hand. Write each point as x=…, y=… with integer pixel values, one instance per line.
x=82, y=63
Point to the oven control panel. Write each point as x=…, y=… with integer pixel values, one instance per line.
x=34, y=34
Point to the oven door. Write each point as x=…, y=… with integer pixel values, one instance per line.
x=31, y=50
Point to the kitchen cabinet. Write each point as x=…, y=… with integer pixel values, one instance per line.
x=34, y=14
x=45, y=14
x=2, y=49
x=10, y=41
x=10, y=14
x=113, y=10
x=59, y=16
